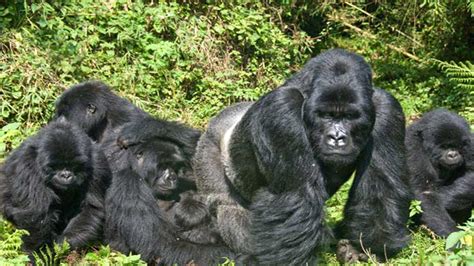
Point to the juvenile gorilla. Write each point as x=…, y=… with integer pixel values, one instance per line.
x=266, y=168
x=150, y=183
x=441, y=166
x=53, y=186
x=96, y=109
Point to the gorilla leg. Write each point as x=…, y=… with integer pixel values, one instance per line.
x=233, y=223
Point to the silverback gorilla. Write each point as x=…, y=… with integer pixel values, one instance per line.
x=53, y=186
x=441, y=166
x=266, y=168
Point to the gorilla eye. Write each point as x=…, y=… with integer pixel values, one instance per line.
x=353, y=115
x=322, y=114
x=91, y=108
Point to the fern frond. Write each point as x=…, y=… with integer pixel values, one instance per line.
x=10, y=246
x=461, y=73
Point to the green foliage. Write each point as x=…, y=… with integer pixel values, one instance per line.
x=462, y=75
x=51, y=256
x=8, y=134
x=167, y=58
x=10, y=245
x=104, y=257
x=335, y=205
x=187, y=61
x=461, y=243
x=415, y=208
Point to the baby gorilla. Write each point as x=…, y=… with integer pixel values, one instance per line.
x=53, y=186
x=164, y=168
x=441, y=166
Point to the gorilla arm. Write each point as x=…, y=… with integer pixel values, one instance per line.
x=377, y=210
x=26, y=201
x=287, y=216
x=460, y=194
x=87, y=225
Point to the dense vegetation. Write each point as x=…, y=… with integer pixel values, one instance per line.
x=187, y=61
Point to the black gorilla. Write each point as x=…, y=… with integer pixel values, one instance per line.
x=54, y=185
x=266, y=168
x=148, y=211
x=441, y=165
x=96, y=109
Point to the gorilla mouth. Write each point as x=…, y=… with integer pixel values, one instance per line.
x=166, y=188
x=451, y=164
x=335, y=152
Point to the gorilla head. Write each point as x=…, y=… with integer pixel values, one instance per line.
x=448, y=141
x=339, y=112
x=94, y=107
x=161, y=163
x=65, y=162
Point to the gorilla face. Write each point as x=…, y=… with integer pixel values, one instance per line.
x=86, y=105
x=160, y=163
x=65, y=162
x=339, y=119
x=447, y=145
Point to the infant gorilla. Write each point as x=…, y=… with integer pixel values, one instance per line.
x=53, y=186
x=441, y=165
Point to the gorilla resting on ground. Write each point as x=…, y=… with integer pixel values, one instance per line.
x=441, y=166
x=53, y=186
x=266, y=168
x=96, y=109
x=147, y=210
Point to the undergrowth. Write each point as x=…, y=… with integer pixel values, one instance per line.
x=188, y=61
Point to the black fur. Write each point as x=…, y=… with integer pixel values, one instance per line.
x=53, y=186
x=142, y=217
x=96, y=109
x=266, y=168
x=446, y=191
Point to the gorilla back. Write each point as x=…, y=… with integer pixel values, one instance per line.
x=267, y=168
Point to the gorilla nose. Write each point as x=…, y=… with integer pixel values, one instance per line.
x=453, y=155
x=65, y=175
x=336, y=139
x=170, y=175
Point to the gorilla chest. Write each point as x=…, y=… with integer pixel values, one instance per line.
x=335, y=177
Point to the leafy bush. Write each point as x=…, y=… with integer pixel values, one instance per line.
x=166, y=58
x=187, y=61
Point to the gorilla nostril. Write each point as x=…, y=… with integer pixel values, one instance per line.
x=65, y=175
x=452, y=155
x=336, y=139
x=341, y=141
